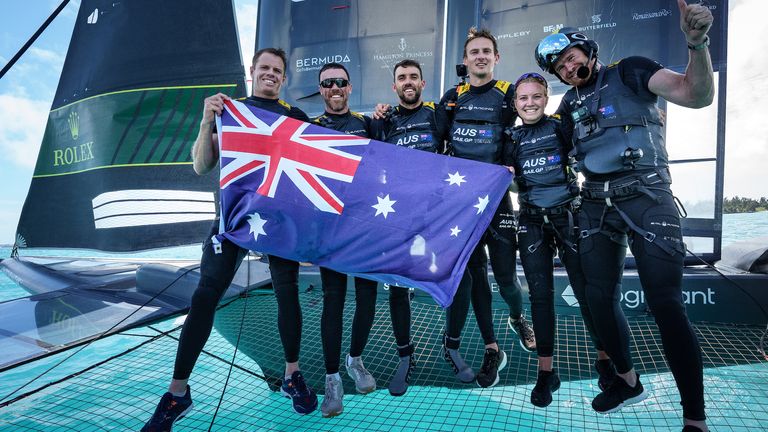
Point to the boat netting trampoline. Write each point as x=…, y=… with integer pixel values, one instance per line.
x=115, y=383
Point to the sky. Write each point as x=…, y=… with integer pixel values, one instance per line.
x=27, y=90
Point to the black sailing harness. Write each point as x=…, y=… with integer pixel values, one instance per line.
x=627, y=187
x=545, y=213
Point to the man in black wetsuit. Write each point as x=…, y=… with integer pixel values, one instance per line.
x=220, y=262
x=418, y=125
x=620, y=150
x=480, y=110
x=335, y=89
x=548, y=195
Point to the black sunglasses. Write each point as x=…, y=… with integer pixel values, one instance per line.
x=536, y=77
x=329, y=82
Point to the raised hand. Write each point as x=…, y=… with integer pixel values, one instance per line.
x=695, y=21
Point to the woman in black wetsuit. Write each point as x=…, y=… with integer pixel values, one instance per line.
x=548, y=196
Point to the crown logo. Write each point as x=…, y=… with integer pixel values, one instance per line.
x=74, y=124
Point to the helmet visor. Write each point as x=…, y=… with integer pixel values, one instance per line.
x=550, y=48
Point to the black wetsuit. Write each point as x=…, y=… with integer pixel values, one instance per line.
x=335, y=283
x=478, y=120
x=417, y=129
x=217, y=272
x=547, y=189
x=628, y=201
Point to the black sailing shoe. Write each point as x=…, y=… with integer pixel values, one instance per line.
x=493, y=362
x=617, y=395
x=547, y=383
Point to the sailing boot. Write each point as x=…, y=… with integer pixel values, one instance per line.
x=461, y=369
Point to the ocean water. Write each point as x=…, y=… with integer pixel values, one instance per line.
x=744, y=226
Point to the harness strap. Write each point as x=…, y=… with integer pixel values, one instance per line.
x=638, y=184
x=532, y=247
x=647, y=235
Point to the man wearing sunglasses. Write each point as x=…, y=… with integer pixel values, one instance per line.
x=480, y=110
x=619, y=146
x=335, y=89
x=219, y=262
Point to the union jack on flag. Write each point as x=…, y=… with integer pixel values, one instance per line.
x=286, y=148
x=357, y=206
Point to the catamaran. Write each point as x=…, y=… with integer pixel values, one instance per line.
x=115, y=170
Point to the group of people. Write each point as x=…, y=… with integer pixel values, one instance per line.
x=608, y=127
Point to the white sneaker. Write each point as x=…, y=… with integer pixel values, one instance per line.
x=364, y=381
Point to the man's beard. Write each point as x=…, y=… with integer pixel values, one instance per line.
x=410, y=100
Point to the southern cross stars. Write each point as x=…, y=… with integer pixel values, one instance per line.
x=481, y=204
x=455, y=179
x=455, y=231
x=384, y=206
x=257, y=225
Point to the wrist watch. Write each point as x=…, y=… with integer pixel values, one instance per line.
x=701, y=46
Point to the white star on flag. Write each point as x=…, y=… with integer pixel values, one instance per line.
x=257, y=225
x=455, y=179
x=455, y=231
x=384, y=206
x=482, y=203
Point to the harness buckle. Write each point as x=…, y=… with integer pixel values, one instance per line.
x=584, y=234
x=606, y=190
x=650, y=236
x=532, y=248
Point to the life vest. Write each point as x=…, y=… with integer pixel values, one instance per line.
x=415, y=130
x=629, y=132
x=478, y=122
x=541, y=169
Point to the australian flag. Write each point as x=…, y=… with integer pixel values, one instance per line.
x=355, y=205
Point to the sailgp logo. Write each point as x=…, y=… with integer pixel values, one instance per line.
x=570, y=297
x=93, y=17
x=74, y=124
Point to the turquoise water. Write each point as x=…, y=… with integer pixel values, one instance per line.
x=744, y=226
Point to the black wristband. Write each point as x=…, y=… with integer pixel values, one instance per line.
x=700, y=46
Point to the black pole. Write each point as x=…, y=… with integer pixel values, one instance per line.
x=32, y=40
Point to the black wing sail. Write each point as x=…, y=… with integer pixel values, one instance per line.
x=114, y=170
